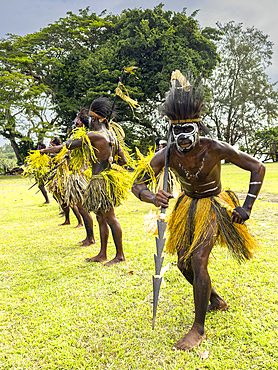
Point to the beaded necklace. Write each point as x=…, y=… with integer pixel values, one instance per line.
x=189, y=175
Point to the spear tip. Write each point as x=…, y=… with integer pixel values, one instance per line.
x=153, y=323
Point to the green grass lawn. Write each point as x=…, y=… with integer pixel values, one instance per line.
x=238, y=179
x=59, y=312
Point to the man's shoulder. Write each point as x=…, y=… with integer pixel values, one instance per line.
x=98, y=135
x=160, y=155
x=214, y=144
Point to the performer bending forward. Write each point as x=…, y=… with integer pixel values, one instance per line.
x=203, y=213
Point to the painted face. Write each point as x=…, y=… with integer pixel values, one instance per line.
x=77, y=122
x=185, y=135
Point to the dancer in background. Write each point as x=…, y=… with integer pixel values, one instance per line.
x=97, y=150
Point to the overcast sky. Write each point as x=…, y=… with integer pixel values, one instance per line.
x=21, y=17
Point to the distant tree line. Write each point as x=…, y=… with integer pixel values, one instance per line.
x=47, y=76
x=7, y=158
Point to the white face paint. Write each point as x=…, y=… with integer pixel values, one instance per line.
x=185, y=135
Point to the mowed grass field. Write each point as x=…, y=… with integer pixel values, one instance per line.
x=59, y=312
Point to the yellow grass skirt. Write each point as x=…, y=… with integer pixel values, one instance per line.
x=192, y=219
x=107, y=190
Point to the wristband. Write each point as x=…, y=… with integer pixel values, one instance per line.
x=242, y=213
x=140, y=191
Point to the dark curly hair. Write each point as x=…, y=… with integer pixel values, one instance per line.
x=56, y=140
x=101, y=106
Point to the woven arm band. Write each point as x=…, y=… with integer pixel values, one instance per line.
x=140, y=191
x=242, y=213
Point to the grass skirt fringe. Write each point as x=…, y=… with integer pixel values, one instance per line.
x=173, y=186
x=192, y=218
x=57, y=185
x=107, y=190
x=54, y=188
x=75, y=189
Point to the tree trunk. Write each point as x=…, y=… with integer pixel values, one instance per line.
x=16, y=150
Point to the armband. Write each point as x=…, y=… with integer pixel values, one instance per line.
x=241, y=211
x=140, y=191
x=68, y=144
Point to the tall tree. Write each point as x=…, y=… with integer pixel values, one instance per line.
x=21, y=111
x=28, y=66
x=7, y=158
x=80, y=57
x=264, y=144
x=242, y=96
x=155, y=41
x=26, y=113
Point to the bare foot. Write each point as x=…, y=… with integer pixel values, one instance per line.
x=46, y=202
x=64, y=223
x=218, y=306
x=98, y=258
x=86, y=242
x=190, y=340
x=114, y=261
x=78, y=226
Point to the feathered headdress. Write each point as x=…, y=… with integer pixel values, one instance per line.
x=184, y=102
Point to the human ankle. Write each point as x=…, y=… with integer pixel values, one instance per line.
x=199, y=328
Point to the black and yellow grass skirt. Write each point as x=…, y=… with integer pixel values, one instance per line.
x=107, y=190
x=192, y=219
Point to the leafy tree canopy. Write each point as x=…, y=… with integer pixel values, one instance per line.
x=242, y=98
x=264, y=144
x=80, y=57
x=26, y=113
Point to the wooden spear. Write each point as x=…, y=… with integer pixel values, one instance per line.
x=161, y=225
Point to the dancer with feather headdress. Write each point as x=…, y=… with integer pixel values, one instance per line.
x=203, y=213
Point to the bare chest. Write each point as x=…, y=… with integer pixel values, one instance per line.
x=198, y=175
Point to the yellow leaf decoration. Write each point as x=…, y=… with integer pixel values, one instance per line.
x=177, y=75
x=119, y=133
x=36, y=164
x=130, y=70
x=133, y=103
x=143, y=168
x=83, y=156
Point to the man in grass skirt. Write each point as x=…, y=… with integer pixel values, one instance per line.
x=107, y=187
x=203, y=213
x=95, y=151
x=57, y=185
